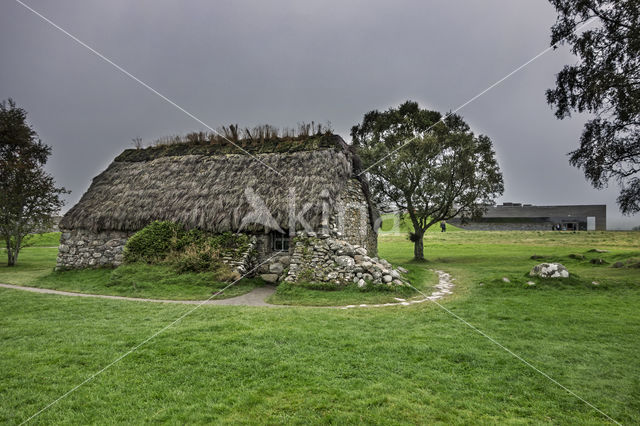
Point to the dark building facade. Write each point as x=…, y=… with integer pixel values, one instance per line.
x=527, y=217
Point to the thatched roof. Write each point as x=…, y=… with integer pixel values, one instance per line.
x=204, y=186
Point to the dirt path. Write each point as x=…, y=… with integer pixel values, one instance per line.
x=256, y=297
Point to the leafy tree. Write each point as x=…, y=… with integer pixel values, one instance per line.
x=444, y=172
x=28, y=195
x=606, y=83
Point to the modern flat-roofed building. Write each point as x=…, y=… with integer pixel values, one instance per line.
x=527, y=217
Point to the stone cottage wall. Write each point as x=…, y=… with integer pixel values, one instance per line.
x=85, y=249
x=352, y=222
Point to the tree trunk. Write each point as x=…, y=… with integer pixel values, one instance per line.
x=11, y=258
x=12, y=254
x=418, y=246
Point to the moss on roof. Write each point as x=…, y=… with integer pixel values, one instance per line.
x=244, y=146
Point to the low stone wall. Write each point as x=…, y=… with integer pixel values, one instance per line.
x=244, y=264
x=85, y=249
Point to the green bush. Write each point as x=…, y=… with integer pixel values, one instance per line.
x=195, y=258
x=153, y=243
x=186, y=251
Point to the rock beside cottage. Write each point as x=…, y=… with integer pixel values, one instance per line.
x=335, y=260
x=549, y=270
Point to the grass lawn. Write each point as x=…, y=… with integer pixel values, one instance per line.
x=35, y=269
x=48, y=239
x=413, y=364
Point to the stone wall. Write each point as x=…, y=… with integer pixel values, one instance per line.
x=244, y=264
x=85, y=249
x=352, y=221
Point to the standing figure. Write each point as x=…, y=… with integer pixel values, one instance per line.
x=443, y=226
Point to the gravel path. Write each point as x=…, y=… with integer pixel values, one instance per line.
x=255, y=297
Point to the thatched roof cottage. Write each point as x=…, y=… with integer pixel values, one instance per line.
x=272, y=190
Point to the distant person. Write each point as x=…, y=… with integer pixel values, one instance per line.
x=443, y=226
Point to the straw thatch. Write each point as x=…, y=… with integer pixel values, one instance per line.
x=207, y=190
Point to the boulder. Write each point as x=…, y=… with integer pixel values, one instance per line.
x=549, y=270
x=361, y=283
x=402, y=270
x=387, y=278
x=361, y=251
x=276, y=268
x=285, y=260
x=270, y=278
x=345, y=261
x=366, y=265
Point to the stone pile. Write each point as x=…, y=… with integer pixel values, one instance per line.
x=549, y=270
x=327, y=259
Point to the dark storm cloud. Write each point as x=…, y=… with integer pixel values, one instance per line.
x=283, y=62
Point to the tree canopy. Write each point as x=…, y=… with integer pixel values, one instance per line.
x=606, y=83
x=431, y=168
x=28, y=195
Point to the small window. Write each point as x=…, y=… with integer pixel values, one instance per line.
x=279, y=242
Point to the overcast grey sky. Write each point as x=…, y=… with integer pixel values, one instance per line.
x=283, y=62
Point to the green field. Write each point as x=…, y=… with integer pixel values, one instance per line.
x=416, y=364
